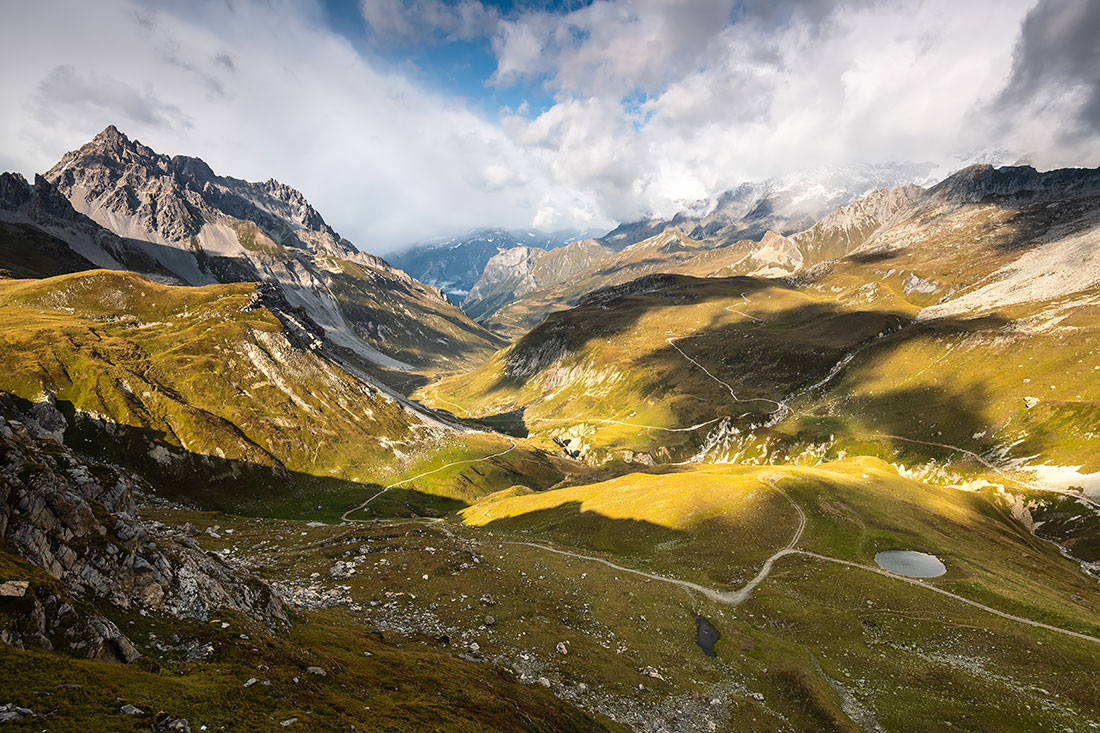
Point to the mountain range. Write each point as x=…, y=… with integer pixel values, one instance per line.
x=254, y=478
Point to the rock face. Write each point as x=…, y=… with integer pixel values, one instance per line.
x=42, y=235
x=202, y=228
x=77, y=521
x=508, y=273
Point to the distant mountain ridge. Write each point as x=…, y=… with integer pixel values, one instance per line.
x=454, y=264
x=513, y=273
x=854, y=229
x=784, y=204
x=176, y=217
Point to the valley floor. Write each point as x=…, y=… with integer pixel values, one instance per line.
x=586, y=591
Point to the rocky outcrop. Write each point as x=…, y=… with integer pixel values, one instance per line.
x=77, y=521
x=1020, y=184
x=506, y=277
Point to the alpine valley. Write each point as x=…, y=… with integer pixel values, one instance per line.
x=819, y=454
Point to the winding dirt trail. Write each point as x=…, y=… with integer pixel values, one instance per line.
x=608, y=421
x=733, y=597
x=742, y=594
x=359, y=507
x=780, y=407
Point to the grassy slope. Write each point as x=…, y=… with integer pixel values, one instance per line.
x=390, y=689
x=715, y=524
x=762, y=338
x=883, y=638
x=253, y=423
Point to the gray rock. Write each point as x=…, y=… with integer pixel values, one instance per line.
x=316, y=670
x=131, y=710
x=288, y=722
x=165, y=723
x=14, y=588
x=47, y=493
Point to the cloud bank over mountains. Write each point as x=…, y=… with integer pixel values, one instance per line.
x=637, y=106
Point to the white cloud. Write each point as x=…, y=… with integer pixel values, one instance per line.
x=655, y=102
x=384, y=161
x=786, y=86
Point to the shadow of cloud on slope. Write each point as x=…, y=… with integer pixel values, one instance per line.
x=1030, y=226
x=724, y=551
x=608, y=312
x=763, y=363
x=233, y=486
x=871, y=257
x=789, y=353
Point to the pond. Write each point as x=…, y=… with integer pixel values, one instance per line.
x=910, y=563
x=705, y=635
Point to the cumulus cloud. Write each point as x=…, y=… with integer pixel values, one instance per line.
x=385, y=161
x=659, y=103
x=1052, y=99
x=653, y=103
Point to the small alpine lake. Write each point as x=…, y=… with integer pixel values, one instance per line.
x=910, y=563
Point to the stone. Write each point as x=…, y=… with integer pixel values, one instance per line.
x=562, y=648
x=317, y=671
x=165, y=723
x=490, y=621
x=288, y=722
x=10, y=712
x=131, y=710
x=250, y=681
x=14, y=588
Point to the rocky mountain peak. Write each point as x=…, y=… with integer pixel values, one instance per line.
x=174, y=215
x=110, y=135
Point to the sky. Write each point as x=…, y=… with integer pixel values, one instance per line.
x=402, y=120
